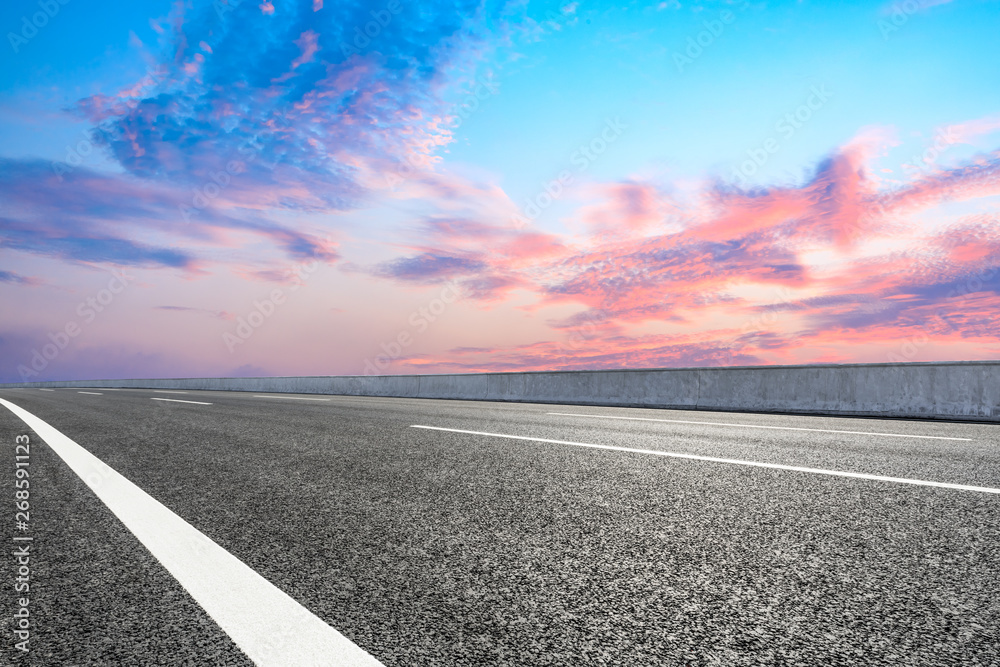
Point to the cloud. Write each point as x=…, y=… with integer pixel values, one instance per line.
x=592, y=352
x=428, y=267
x=980, y=177
x=109, y=250
x=223, y=133
x=311, y=98
x=626, y=208
x=89, y=217
x=720, y=253
x=969, y=131
x=20, y=352
x=248, y=371
x=220, y=314
x=830, y=206
x=18, y=279
x=683, y=258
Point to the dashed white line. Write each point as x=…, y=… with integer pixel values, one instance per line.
x=92, y=393
x=265, y=622
x=177, y=400
x=779, y=428
x=167, y=391
x=713, y=459
x=292, y=398
x=46, y=390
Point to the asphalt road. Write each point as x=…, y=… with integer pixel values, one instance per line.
x=441, y=547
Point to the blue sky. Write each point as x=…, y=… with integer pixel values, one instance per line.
x=743, y=156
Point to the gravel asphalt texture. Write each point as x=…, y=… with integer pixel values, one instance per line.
x=439, y=548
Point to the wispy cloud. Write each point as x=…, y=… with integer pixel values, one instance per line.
x=18, y=279
x=220, y=314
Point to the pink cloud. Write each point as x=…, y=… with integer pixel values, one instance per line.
x=968, y=131
x=308, y=41
x=626, y=209
x=976, y=179
x=832, y=206
x=635, y=267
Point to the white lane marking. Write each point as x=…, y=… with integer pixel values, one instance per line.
x=780, y=428
x=46, y=390
x=267, y=624
x=755, y=464
x=292, y=398
x=167, y=391
x=177, y=400
x=92, y=393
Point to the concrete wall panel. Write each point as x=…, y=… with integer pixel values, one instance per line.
x=962, y=390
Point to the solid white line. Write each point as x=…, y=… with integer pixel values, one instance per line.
x=293, y=398
x=167, y=391
x=92, y=393
x=755, y=464
x=780, y=428
x=267, y=624
x=177, y=400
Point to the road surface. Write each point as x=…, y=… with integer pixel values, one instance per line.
x=232, y=528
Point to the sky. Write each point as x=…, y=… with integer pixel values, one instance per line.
x=244, y=188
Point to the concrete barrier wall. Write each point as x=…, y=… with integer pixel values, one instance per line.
x=953, y=390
